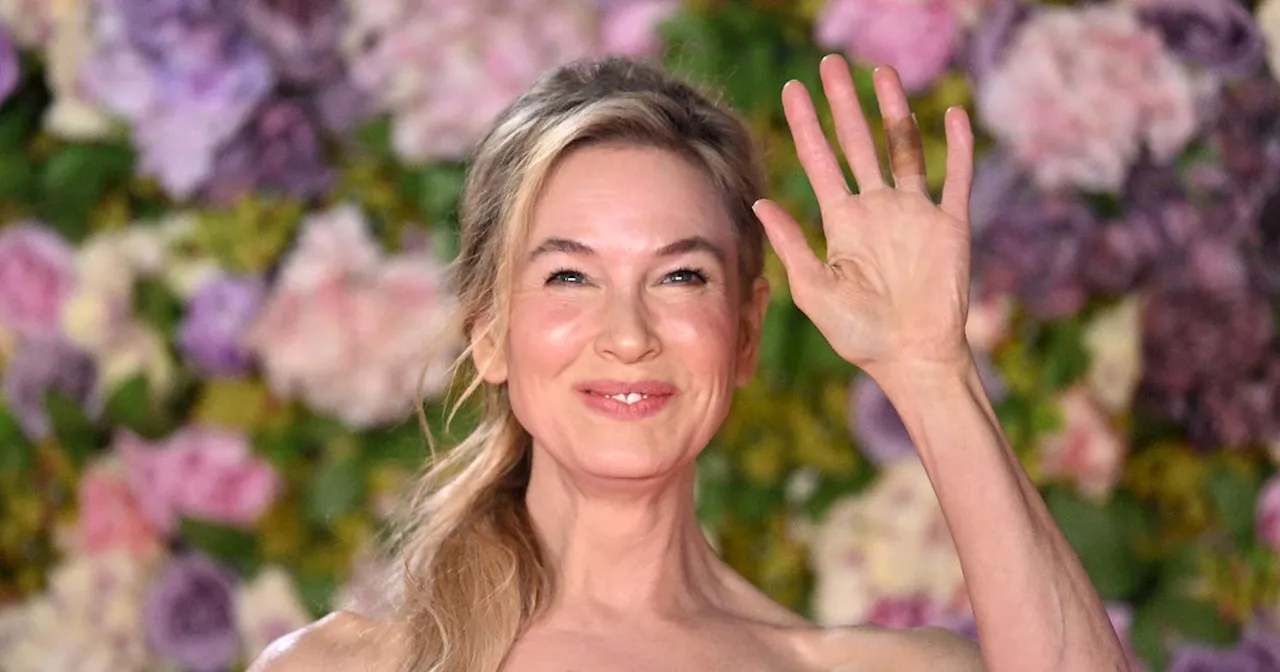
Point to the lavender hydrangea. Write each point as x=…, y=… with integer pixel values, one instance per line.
x=190, y=615
x=42, y=365
x=217, y=318
x=1257, y=651
x=876, y=425
x=302, y=37
x=279, y=150
x=1207, y=338
x=1220, y=35
x=184, y=73
x=1036, y=250
x=9, y=66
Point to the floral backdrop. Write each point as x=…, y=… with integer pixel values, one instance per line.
x=223, y=227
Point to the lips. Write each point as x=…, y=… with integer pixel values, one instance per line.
x=626, y=400
x=609, y=388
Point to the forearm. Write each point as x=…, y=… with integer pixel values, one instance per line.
x=1035, y=606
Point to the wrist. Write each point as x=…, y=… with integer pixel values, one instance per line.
x=915, y=379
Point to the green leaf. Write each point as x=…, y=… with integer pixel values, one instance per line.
x=1066, y=360
x=1102, y=536
x=1234, y=493
x=73, y=180
x=338, y=488
x=16, y=452
x=157, y=304
x=1171, y=617
x=402, y=445
x=73, y=429
x=130, y=405
x=752, y=504
x=16, y=181
x=231, y=546
x=316, y=592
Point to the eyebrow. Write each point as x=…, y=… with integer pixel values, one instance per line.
x=682, y=246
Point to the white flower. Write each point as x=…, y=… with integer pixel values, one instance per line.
x=1113, y=340
x=890, y=541
x=1268, y=16
x=89, y=621
x=268, y=608
x=71, y=115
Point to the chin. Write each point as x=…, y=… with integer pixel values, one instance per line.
x=628, y=461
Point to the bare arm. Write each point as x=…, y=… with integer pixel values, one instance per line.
x=892, y=298
x=1035, y=606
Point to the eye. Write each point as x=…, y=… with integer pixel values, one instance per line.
x=686, y=276
x=566, y=276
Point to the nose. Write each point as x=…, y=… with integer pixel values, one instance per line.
x=627, y=333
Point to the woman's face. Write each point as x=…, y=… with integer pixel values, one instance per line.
x=628, y=327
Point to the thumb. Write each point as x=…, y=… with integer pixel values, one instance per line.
x=802, y=265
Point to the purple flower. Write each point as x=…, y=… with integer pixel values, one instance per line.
x=878, y=428
x=39, y=366
x=1265, y=253
x=9, y=65
x=301, y=36
x=190, y=615
x=1257, y=651
x=216, y=319
x=876, y=425
x=280, y=150
x=184, y=73
x=1220, y=35
x=1246, y=134
x=1232, y=413
x=1036, y=250
x=992, y=34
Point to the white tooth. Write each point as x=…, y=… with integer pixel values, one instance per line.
x=634, y=397
x=618, y=397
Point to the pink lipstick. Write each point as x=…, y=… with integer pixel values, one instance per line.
x=626, y=400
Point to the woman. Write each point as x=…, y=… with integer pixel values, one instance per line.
x=611, y=290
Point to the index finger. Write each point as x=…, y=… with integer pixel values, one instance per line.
x=816, y=157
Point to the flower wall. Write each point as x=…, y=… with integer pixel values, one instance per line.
x=224, y=227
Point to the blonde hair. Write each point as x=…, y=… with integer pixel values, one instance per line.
x=472, y=573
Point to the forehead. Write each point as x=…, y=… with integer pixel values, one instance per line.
x=642, y=195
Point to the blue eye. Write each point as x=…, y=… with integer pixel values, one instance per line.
x=567, y=276
x=686, y=276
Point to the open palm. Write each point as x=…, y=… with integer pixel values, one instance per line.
x=894, y=287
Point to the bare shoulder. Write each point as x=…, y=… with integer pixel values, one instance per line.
x=851, y=649
x=342, y=640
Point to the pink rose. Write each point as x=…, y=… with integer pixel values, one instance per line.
x=446, y=69
x=1268, y=514
x=204, y=473
x=37, y=274
x=353, y=340
x=630, y=28
x=1080, y=91
x=1087, y=450
x=110, y=516
x=917, y=37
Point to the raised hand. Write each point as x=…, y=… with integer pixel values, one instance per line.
x=894, y=288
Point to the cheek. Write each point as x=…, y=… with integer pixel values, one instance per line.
x=546, y=333
x=703, y=332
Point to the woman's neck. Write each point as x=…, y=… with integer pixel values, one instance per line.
x=635, y=549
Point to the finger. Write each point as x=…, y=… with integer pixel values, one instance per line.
x=851, y=124
x=959, y=179
x=816, y=157
x=802, y=265
x=906, y=149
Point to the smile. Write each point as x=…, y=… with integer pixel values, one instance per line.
x=626, y=400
